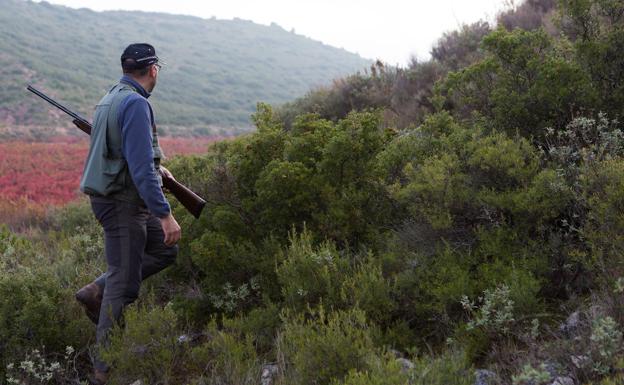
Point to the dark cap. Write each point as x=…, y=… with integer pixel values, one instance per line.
x=142, y=55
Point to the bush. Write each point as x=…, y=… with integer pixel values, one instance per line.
x=603, y=186
x=227, y=357
x=366, y=288
x=606, y=340
x=447, y=369
x=38, y=311
x=525, y=84
x=383, y=370
x=310, y=276
x=325, y=347
x=154, y=347
x=146, y=347
x=530, y=375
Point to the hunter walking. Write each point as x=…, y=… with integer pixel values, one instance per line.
x=122, y=178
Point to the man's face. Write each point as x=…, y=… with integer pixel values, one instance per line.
x=153, y=75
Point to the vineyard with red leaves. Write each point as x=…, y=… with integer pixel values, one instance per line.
x=36, y=175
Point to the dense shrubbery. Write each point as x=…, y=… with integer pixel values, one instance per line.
x=335, y=243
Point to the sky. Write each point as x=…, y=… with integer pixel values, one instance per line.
x=393, y=31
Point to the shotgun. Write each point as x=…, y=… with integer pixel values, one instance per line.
x=191, y=201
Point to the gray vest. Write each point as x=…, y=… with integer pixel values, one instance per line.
x=106, y=170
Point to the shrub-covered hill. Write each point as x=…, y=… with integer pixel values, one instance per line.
x=488, y=74
x=351, y=251
x=216, y=72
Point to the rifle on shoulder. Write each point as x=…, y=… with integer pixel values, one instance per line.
x=191, y=201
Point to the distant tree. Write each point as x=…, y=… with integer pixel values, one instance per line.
x=530, y=15
x=526, y=83
x=458, y=49
x=597, y=28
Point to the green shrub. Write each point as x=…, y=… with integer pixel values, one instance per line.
x=287, y=194
x=437, y=190
x=261, y=324
x=310, y=275
x=151, y=347
x=37, y=310
x=325, y=347
x=448, y=368
x=525, y=83
x=366, y=288
x=227, y=357
x=604, y=192
x=530, y=375
x=146, y=347
x=385, y=370
x=606, y=340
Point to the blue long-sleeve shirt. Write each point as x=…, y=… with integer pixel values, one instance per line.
x=136, y=120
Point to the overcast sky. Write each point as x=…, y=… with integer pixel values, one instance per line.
x=390, y=30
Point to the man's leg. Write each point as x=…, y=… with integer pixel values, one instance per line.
x=125, y=238
x=157, y=257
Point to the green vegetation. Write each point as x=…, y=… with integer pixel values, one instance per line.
x=354, y=249
x=216, y=70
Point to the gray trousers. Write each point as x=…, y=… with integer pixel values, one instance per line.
x=135, y=249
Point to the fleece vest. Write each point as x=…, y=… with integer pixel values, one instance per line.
x=106, y=171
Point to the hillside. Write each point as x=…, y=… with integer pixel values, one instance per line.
x=216, y=72
x=456, y=222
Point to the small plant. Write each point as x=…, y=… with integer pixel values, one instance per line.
x=37, y=369
x=532, y=376
x=535, y=326
x=232, y=297
x=605, y=341
x=384, y=370
x=619, y=286
x=495, y=312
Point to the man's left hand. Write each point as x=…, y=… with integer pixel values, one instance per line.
x=166, y=173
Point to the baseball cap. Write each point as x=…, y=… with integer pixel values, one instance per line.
x=142, y=55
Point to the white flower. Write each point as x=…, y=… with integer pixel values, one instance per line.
x=27, y=365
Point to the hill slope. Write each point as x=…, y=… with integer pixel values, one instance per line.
x=217, y=70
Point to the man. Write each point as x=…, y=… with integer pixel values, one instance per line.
x=121, y=176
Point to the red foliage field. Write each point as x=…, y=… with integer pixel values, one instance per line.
x=41, y=174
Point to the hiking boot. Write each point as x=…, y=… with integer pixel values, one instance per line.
x=90, y=297
x=98, y=378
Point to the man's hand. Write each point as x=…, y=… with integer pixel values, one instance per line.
x=171, y=229
x=166, y=173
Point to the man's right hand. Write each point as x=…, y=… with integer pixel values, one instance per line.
x=171, y=229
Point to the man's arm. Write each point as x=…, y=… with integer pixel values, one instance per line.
x=137, y=149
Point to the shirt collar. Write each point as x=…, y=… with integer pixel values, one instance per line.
x=129, y=80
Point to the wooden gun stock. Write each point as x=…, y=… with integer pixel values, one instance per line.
x=191, y=201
